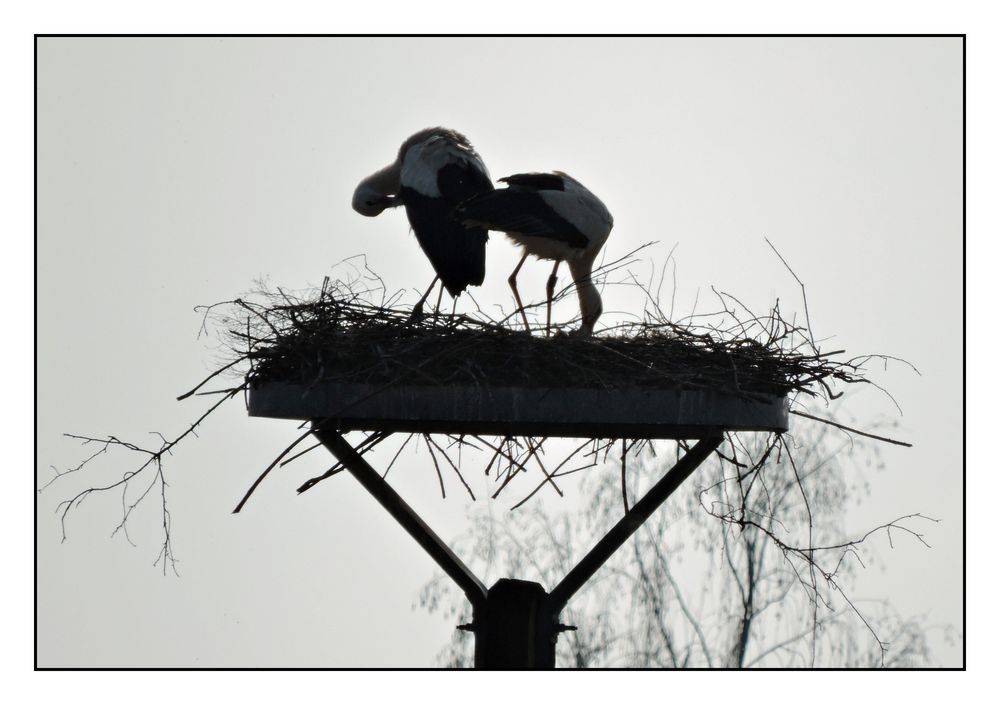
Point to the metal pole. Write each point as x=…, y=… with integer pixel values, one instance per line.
x=404, y=514
x=628, y=525
x=516, y=628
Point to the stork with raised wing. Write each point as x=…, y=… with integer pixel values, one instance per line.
x=435, y=170
x=552, y=216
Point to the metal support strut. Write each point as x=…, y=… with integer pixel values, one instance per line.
x=630, y=523
x=404, y=514
x=515, y=623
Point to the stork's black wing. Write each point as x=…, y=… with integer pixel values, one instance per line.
x=459, y=182
x=520, y=210
x=536, y=181
x=457, y=251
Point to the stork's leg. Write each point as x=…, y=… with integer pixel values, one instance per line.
x=550, y=289
x=418, y=310
x=438, y=304
x=512, y=280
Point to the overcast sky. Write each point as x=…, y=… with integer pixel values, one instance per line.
x=174, y=172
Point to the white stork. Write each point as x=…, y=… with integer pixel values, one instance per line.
x=552, y=216
x=436, y=169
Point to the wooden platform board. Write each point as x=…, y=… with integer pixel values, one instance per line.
x=518, y=411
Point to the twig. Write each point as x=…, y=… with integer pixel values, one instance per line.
x=828, y=422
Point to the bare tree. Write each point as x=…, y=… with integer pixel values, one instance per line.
x=748, y=566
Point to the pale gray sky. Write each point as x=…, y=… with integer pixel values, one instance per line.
x=172, y=172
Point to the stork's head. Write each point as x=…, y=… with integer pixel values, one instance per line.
x=377, y=192
x=369, y=202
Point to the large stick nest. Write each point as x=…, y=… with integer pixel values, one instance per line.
x=344, y=332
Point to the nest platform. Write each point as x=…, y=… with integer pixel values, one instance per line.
x=368, y=369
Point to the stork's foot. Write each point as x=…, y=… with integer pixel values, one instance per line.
x=417, y=314
x=565, y=331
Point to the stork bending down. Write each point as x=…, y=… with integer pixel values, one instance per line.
x=435, y=170
x=552, y=216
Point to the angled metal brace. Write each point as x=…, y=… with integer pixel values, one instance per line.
x=378, y=488
x=629, y=524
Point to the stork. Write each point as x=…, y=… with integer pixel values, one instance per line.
x=435, y=170
x=552, y=216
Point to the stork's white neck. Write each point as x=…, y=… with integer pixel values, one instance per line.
x=591, y=306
